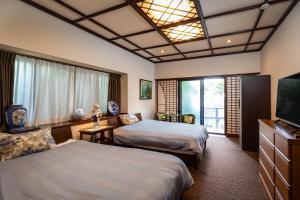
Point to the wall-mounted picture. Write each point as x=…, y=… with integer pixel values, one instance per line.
x=145, y=89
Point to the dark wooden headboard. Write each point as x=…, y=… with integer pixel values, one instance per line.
x=116, y=122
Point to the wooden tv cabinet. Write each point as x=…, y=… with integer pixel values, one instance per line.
x=279, y=162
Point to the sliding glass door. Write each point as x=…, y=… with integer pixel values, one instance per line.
x=190, y=99
x=214, y=105
x=204, y=98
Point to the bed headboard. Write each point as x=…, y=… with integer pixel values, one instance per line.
x=116, y=122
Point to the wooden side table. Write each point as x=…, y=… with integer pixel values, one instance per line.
x=92, y=132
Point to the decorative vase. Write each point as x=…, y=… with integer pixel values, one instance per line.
x=113, y=108
x=15, y=116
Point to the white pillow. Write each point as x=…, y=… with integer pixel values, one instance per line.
x=128, y=119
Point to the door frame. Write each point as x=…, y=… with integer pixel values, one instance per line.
x=201, y=79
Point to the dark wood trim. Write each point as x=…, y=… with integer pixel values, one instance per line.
x=54, y=14
x=261, y=12
x=202, y=21
x=243, y=9
x=142, y=14
x=293, y=4
x=133, y=4
x=134, y=34
x=196, y=57
x=101, y=12
x=102, y=26
x=213, y=36
x=210, y=76
x=215, y=15
x=216, y=48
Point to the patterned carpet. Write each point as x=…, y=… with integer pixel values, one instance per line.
x=226, y=173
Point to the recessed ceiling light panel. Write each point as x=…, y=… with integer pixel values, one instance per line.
x=168, y=12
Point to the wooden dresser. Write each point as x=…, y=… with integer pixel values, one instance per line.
x=279, y=162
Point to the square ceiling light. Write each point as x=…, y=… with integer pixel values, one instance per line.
x=167, y=12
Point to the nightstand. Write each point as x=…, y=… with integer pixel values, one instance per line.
x=103, y=139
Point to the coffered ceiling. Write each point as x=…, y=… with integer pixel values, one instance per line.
x=170, y=30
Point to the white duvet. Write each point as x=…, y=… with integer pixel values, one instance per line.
x=169, y=135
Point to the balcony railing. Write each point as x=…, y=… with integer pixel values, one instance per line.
x=214, y=119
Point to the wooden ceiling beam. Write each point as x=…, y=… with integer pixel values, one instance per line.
x=230, y=12
x=216, y=48
x=207, y=56
x=207, y=17
x=142, y=14
x=202, y=21
x=213, y=36
x=261, y=12
x=101, y=12
x=100, y=25
x=293, y=4
x=50, y=12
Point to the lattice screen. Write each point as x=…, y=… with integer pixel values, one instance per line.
x=168, y=97
x=233, y=104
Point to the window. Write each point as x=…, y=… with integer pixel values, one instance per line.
x=51, y=91
x=91, y=87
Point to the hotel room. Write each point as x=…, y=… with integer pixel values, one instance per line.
x=149, y=99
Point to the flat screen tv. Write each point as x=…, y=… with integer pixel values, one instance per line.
x=288, y=100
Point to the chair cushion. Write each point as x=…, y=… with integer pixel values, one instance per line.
x=188, y=119
x=162, y=117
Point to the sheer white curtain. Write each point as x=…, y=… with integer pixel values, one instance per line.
x=45, y=88
x=91, y=87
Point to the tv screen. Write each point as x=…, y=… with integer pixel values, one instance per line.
x=288, y=99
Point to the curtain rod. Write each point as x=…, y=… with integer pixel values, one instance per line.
x=60, y=62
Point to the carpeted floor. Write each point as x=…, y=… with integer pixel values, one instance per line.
x=226, y=172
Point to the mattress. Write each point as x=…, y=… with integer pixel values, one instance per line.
x=168, y=135
x=86, y=171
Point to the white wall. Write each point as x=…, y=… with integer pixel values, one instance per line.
x=220, y=65
x=24, y=27
x=281, y=56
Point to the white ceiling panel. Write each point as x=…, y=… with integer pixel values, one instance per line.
x=167, y=50
x=192, y=46
x=210, y=7
x=229, y=50
x=56, y=7
x=254, y=46
x=154, y=59
x=91, y=6
x=172, y=57
x=272, y=15
x=124, y=21
x=143, y=53
x=196, y=54
x=148, y=39
x=94, y=27
x=124, y=43
x=235, y=40
x=261, y=35
x=230, y=23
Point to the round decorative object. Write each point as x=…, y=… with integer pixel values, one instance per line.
x=15, y=116
x=78, y=114
x=113, y=108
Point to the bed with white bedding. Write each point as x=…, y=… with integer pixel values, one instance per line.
x=161, y=134
x=85, y=171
